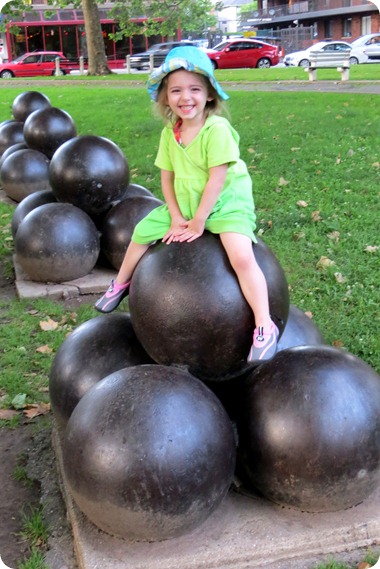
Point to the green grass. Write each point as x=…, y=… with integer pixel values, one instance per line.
x=314, y=162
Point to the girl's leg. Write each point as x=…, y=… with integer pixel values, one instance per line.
x=254, y=288
x=119, y=288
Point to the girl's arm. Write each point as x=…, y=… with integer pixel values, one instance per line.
x=195, y=227
x=167, y=184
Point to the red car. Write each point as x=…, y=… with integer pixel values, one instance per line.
x=33, y=64
x=232, y=54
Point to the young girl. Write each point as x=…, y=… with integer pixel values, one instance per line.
x=205, y=185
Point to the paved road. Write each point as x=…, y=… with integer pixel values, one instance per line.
x=364, y=87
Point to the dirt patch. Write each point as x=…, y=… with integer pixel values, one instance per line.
x=28, y=448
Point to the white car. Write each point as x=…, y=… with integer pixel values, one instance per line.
x=367, y=47
x=302, y=58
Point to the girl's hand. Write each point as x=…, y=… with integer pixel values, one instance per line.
x=194, y=229
x=178, y=226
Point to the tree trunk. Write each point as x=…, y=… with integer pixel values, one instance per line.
x=97, y=60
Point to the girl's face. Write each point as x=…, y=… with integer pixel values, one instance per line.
x=187, y=95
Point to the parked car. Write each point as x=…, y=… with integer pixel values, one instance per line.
x=159, y=52
x=232, y=54
x=367, y=47
x=302, y=58
x=35, y=63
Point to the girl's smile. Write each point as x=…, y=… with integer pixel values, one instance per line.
x=187, y=95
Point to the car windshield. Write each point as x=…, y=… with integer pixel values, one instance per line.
x=221, y=46
x=19, y=58
x=156, y=47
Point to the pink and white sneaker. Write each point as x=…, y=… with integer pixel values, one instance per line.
x=264, y=344
x=112, y=298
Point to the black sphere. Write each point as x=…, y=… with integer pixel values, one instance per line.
x=23, y=173
x=11, y=132
x=300, y=330
x=309, y=429
x=135, y=190
x=119, y=223
x=57, y=242
x=187, y=306
x=25, y=103
x=149, y=453
x=47, y=129
x=91, y=172
x=11, y=149
x=94, y=350
x=27, y=205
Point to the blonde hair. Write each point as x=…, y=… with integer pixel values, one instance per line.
x=214, y=107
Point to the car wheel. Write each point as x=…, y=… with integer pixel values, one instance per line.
x=264, y=62
x=354, y=61
x=304, y=63
x=6, y=74
x=62, y=72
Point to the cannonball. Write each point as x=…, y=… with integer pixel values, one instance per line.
x=91, y=172
x=92, y=351
x=27, y=205
x=11, y=132
x=57, y=242
x=119, y=223
x=48, y=128
x=25, y=103
x=149, y=453
x=11, y=149
x=187, y=307
x=24, y=172
x=135, y=190
x=300, y=330
x=309, y=429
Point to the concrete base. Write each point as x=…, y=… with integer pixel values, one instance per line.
x=246, y=532
x=96, y=282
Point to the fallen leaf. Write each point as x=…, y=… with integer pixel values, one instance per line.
x=36, y=410
x=315, y=216
x=44, y=349
x=309, y=314
x=48, y=325
x=371, y=248
x=338, y=343
x=298, y=235
x=334, y=236
x=338, y=160
x=7, y=414
x=376, y=164
x=295, y=148
x=364, y=565
x=302, y=203
x=18, y=402
x=251, y=150
x=339, y=278
x=325, y=262
x=283, y=182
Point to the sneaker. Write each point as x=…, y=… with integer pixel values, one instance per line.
x=264, y=344
x=112, y=298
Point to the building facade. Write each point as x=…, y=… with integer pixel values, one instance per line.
x=316, y=19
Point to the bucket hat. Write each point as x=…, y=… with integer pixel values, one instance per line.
x=189, y=58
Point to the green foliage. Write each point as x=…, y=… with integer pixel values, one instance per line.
x=34, y=561
x=163, y=17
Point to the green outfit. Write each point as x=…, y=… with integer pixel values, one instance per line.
x=216, y=143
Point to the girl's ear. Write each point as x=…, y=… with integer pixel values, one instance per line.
x=210, y=98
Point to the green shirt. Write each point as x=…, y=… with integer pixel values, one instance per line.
x=216, y=143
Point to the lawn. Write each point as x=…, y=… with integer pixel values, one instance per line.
x=315, y=168
x=314, y=162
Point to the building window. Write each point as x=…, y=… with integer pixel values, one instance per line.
x=328, y=29
x=366, y=25
x=347, y=27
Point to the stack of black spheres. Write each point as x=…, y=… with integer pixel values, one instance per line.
x=158, y=409
x=66, y=185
